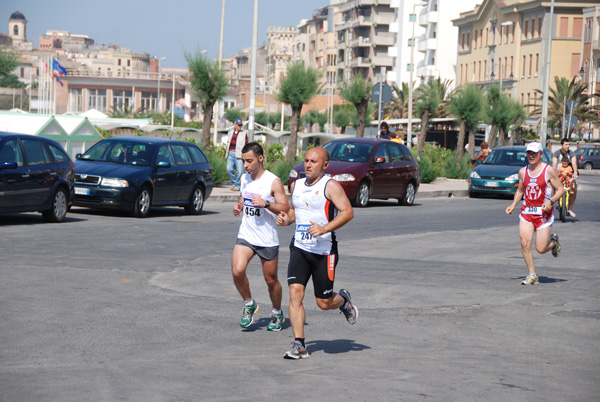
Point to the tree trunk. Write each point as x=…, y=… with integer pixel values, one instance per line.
x=501, y=137
x=361, y=110
x=208, y=112
x=460, y=147
x=423, y=133
x=293, y=142
x=493, y=132
x=472, y=141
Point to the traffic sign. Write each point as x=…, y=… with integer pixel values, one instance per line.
x=572, y=122
x=572, y=105
x=386, y=93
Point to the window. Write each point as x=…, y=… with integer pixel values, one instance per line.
x=75, y=100
x=197, y=155
x=530, y=64
x=485, y=69
x=11, y=152
x=462, y=42
x=479, y=73
x=461, y=74
x=524, y=60
x=577, y=27
x=537, y=63
x=475, y=40
x=511, y=64
x=58, y=154
x=128, y=63
x=532, y=28
x=119, y=62
x=96, y=99
x=122, y=98
x=395, y=153
x=487, y=43
x=480, y=37
x=164, y=155
x=564, y=27
x=540, y=27
x=512, y=36
x=36, y=154
x=16, y=29
x=525, y=29
x=468, y=40
x=180, y=155
x=149, y=101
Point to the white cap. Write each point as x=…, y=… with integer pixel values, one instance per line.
x=534, y=147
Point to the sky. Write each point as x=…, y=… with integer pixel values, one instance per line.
x=160, y=28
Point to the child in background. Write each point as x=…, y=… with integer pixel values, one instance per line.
x=565, y=172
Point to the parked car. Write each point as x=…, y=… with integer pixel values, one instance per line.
x=137, y=173
x=588, y=158
x=499, y=172
x=370, y=168
x=36, y=174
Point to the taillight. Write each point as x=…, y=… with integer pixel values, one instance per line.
x=581, y=159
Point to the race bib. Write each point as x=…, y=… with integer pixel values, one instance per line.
x=251, y=210
x=532, y=211
x=302, y=235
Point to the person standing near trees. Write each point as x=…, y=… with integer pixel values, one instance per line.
x=319, y=207
x=262, y=197
x=557, y=156
x=236, y=140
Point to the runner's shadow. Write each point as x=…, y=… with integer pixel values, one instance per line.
x=543, y=279
x=261, y=324
x=336, y=346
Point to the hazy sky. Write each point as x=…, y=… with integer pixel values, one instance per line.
x=160, y=28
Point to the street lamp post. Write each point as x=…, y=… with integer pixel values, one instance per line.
x=413, y=17
x=504, y=24
x=544, y=128
x=158, y=92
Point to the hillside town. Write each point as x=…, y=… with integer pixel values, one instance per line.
x=481, y=43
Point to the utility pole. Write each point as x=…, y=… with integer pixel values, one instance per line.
x=215, y=128
x=253, y=74
x=544, y=128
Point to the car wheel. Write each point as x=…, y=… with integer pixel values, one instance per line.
x=58, y=211
x=409, y=195
x=587, y=166
x=196, y=201
x=141, y=208
x=362, y=195
x=473, y=194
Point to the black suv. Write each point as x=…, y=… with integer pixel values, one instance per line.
x=36, y=174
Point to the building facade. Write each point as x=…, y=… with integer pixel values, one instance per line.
x=590, y=51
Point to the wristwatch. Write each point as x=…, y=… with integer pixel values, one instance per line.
x=267, y=204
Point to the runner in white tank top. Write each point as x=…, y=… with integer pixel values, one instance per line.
x=262, y=197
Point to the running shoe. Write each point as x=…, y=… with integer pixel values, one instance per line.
x=556, y=248
x=531, y=279
x=248, y=315
x=276, y=321
x=349, y=309
x=297, y=352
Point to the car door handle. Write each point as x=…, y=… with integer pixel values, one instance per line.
x=52, y=173
x=25, y=175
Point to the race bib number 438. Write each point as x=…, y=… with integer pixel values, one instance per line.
x=249, y=209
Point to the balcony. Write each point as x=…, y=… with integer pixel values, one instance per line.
x=431, y=17
x=361, y=62
x=384, y=39
x=382, y=61
x=360, y=41
x=427, y=44
x=383, y=18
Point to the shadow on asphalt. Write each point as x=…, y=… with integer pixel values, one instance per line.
x=336, y=346
x=543, y=279
x=31, y=218
x=155, y=212
x=261, y=324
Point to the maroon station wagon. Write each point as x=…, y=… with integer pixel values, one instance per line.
x=370, y=169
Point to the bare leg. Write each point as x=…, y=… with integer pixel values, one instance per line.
x=526, y=231
x=239, y=262
x=572, y=197
x=296, y=310
x=542, y=240
x=270, y=274
x=332, y=303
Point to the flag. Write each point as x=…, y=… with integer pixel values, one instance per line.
x=58, y=71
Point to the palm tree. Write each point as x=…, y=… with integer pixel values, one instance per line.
x=297, y=88
x=573, y=90
x=501, y=113
x=397, y=107
x=209, y=83
x=466, y=105
x=8, y=62
x=429, y=98
x=358, y=92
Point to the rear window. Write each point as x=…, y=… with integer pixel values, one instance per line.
x=180, y=155
x=36, y=153
x=58, y=154
x=197, y=155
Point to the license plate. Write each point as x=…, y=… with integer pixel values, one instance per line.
x=82, y=191
x=492, y=184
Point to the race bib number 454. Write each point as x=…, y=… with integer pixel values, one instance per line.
x=302, y=235
x=251, y=210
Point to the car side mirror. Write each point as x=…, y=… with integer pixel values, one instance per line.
x=78, y=156
x=478, y=162
x=9, y=165
x=379, y=159
x=163, y=164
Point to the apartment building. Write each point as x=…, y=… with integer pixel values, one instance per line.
x=503, y=42
x=590, y=50
x=280, y=51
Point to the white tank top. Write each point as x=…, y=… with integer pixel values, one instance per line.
x=259, y=225
x=310, y=204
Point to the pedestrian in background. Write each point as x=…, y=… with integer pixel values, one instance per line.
x=385, y=131
x=236, y=139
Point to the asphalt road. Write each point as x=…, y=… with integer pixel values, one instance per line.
x=104, y=307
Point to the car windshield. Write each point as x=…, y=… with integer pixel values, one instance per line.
x=510, y=157
x=125, y=152
x=348, y=151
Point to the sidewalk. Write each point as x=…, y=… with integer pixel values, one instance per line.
x=441, y=187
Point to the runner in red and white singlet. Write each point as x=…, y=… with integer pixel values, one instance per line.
x=537, y=192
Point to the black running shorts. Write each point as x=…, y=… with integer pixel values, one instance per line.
x=303, y=265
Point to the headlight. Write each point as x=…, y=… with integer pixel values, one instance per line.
x=512, y=177
x=294, y=174
x=474, y=175
x=114, y=182
x=343, y=177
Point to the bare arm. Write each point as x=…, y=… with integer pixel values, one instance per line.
x=281, y=202
x=518, y=194
x=237, y=208
x=336, y=194
x=285, y=218
x=558, y=189
x=574, y=163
